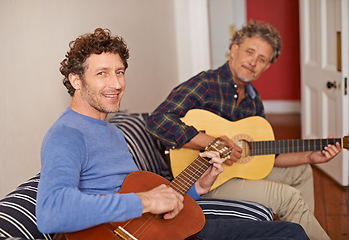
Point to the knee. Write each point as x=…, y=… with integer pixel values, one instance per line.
x=303, y=170
x=290, y=197
x=292, y=202
x=290, y=193
x=306, y=170
x=302, y=174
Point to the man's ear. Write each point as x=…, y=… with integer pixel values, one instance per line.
x=75, y=80
x=233, y=50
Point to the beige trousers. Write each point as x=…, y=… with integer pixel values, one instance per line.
x=288, y=191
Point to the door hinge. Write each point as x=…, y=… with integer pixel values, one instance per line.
x=345, y=86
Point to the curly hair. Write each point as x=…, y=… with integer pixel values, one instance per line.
x=262, y=30
x=92, y=43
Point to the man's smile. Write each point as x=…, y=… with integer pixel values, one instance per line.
x=110, y=95
x=249, y=69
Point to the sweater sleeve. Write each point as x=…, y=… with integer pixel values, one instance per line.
x=61, y=206
x=193, y=194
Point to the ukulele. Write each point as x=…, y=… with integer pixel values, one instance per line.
x=186, y=225
x=256, y=138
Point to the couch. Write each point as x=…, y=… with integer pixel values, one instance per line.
x=17, y=209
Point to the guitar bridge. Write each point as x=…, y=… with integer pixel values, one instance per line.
x=123, y=234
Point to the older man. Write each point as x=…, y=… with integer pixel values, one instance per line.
x=228, y=92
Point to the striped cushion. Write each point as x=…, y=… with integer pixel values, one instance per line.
x=147, y=152
x=214, y=208
x=17, y=212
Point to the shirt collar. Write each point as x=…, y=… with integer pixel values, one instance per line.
x=250, y=90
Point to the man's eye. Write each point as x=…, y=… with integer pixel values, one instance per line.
x=262, y=60
x=101, y=73
x=120, y=72
x=249, y=52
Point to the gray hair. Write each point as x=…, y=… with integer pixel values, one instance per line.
x=262, y=30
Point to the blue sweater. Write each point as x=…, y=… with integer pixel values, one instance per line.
x=83, y=158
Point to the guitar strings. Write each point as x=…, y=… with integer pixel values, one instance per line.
x=290, y=145
x=143, y=227
x=189, y=176
x=198, y=167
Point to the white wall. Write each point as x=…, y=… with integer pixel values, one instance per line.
x=34, y=36
x=223, y=15
x=192, y=36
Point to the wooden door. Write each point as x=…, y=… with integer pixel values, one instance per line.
x=324, y=76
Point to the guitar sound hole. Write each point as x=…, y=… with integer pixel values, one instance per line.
x=245, y=146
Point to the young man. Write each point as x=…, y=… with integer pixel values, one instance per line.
x=85, y=159
x=227, y=91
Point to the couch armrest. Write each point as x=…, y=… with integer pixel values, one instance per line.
x=17, y=212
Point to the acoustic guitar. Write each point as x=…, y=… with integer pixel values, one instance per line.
x=256, y=138
x=185, y=225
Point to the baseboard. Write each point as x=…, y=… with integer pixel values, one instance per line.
x=279, y=106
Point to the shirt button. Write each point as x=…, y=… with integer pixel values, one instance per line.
x=235, y=85
x=235, y=96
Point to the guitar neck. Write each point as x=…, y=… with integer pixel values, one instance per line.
x=290, y=146
x=187, y=178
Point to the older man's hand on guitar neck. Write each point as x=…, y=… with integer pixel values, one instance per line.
x=294, y=159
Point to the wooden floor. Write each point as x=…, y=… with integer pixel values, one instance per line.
x=331, y=200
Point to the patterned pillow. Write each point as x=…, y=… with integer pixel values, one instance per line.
x=17, y=212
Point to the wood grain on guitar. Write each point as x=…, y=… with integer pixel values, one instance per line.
x=186, y=225
x=256, y=138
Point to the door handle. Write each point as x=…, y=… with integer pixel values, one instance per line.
x=331, y=84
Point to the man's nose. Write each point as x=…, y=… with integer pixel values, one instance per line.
x=114, y=82
x=253, y=61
